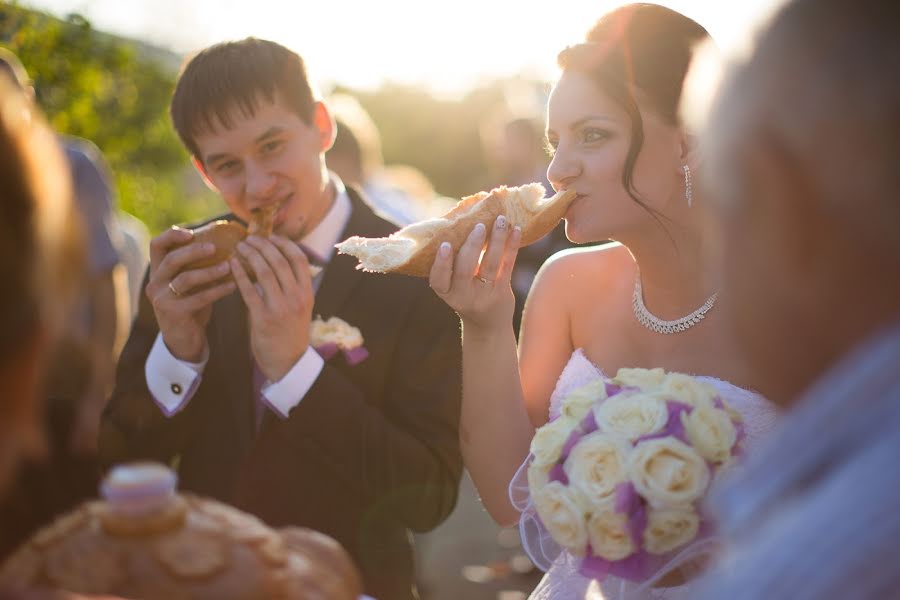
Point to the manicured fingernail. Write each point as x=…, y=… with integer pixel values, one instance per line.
x=479, y=229
x=242, y=247
x=501, y=222
x=222, y=267
x=207, y=248
x=517, y=232
x=444, y=250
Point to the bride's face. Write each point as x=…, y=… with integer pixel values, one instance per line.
x=591, y=137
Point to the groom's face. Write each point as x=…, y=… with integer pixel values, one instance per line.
x=270, y=157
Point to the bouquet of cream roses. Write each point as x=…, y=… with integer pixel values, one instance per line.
x=618, y=477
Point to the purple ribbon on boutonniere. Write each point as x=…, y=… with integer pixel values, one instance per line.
x=353, y=356
x=329, y=337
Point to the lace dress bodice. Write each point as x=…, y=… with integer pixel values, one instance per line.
x=563, y=581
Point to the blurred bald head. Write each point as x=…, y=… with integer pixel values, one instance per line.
x=824, y=84
x=805, y=141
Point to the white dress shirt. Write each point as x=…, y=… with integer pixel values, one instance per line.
x=172, y=382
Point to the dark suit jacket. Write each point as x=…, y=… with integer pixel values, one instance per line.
x=369, y=453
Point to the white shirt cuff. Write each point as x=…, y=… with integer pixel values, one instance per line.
x=286, y=393
x=172, y=382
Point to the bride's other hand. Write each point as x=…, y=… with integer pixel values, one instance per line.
x=475, y=285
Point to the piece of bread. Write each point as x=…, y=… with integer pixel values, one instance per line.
x=412, y=250
x=225, y=236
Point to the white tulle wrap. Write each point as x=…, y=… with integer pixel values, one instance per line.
x=562, y=579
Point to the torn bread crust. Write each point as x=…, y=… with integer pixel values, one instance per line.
x=263, y=221
x=412, y=250
x=225, y=236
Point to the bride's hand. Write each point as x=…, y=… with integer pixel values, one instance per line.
x=479, y=290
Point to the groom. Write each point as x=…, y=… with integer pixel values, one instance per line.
x=221, y=380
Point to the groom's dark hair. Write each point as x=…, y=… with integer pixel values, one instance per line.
x=237, y=76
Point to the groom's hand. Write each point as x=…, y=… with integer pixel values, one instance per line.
x=280, y=303
x=182, y=299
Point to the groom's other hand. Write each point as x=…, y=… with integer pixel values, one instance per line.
x=182, y=300
x=280, y=304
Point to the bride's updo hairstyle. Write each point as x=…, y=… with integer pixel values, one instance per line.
x=638, y=53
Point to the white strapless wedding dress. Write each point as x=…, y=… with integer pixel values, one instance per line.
x=562, y=580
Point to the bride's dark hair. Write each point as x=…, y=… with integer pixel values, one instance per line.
x=638, y=51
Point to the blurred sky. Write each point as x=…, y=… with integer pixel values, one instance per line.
x=446, y=47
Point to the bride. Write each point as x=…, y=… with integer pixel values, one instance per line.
x=648, y=300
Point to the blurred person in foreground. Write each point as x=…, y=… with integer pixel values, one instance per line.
x=805, y=147
x=40, y=264
x=79, y=374
x=219, y=378
x=83, y=373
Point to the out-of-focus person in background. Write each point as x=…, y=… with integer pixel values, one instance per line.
x=804, y=148
x=357, y=159
x=134, y=254
x=523, y=156
x=80, y=371
x=520, y=156
x=40, y=266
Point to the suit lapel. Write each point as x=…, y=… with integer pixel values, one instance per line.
x=341, y=276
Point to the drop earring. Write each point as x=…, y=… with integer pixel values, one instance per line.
x=688, y=193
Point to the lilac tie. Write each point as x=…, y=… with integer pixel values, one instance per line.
x=314, y=259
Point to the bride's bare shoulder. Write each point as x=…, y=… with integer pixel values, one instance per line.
x=587, y=268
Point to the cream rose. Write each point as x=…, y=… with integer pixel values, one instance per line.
x=711, y=432
x=631, y=415
x=669, y=528
x=335, y=331
x=646, y=379
x=538, y=477
x=668, y=472
x=686, y=389
x=608, y=534
x=579, y=403
x=561, y=513
x=548, y=441
x=596, y=466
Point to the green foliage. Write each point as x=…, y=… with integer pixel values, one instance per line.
x=101, y=88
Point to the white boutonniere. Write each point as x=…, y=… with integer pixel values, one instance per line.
x=335, y=335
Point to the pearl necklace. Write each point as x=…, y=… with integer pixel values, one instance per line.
x=654, y=323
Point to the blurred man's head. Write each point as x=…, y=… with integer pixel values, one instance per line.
x=523, y=152
x=40, y=263
x=246, y=112
x=805, y=145
x=344, y=158
x=356, y=154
